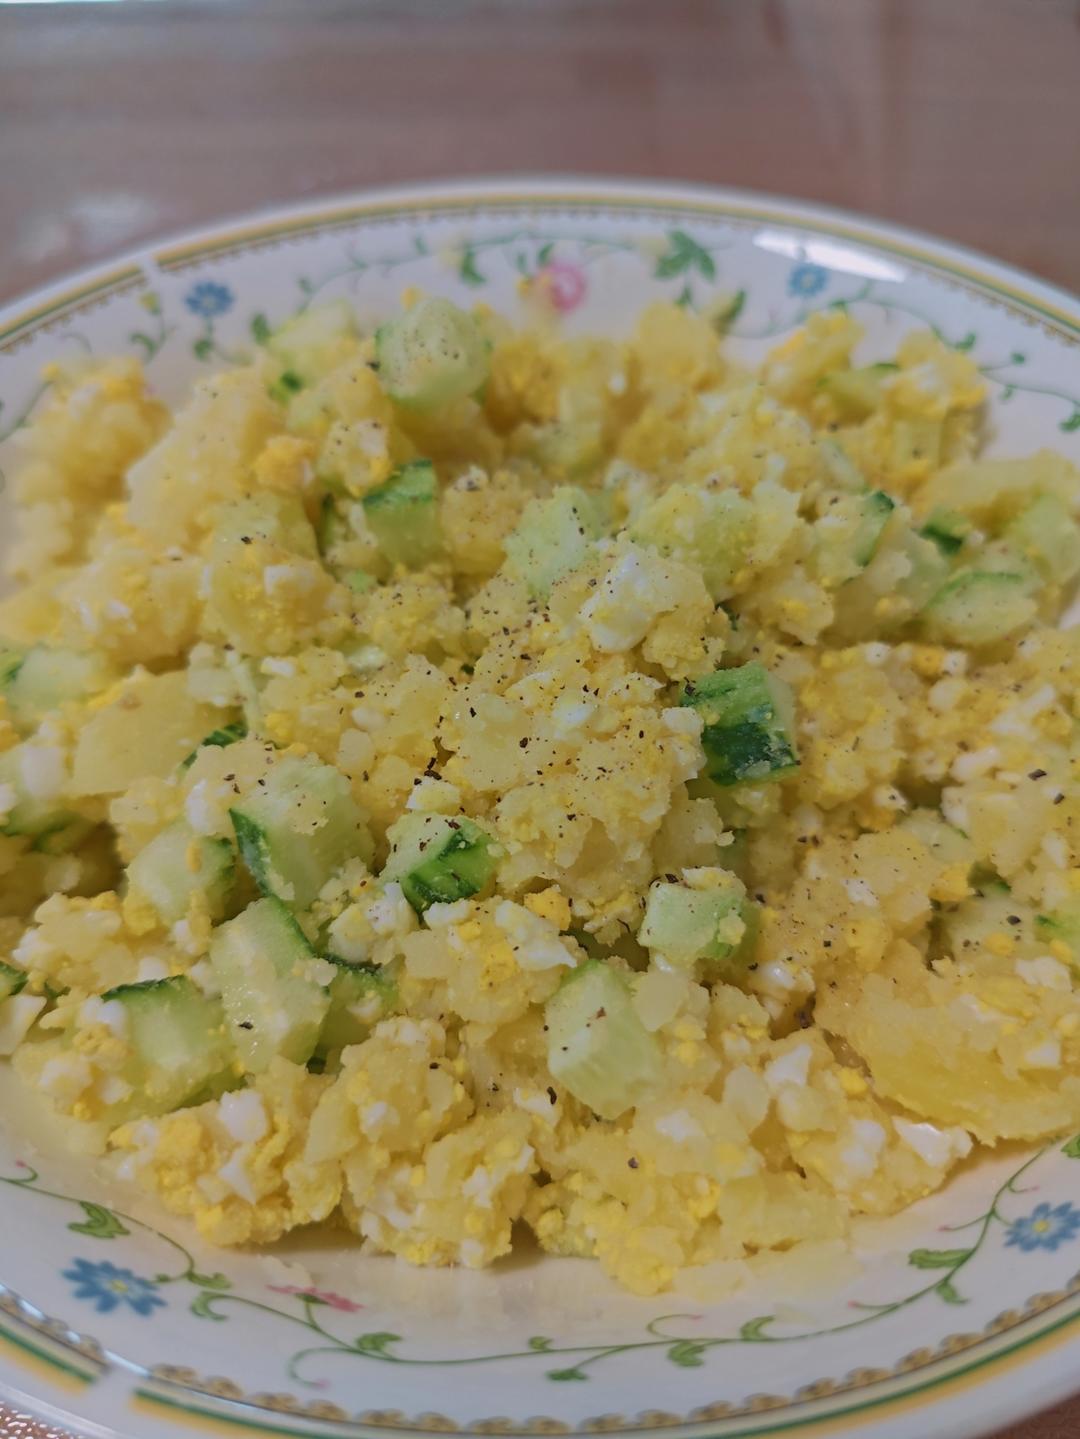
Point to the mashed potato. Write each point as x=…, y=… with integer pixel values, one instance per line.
x=463, y=776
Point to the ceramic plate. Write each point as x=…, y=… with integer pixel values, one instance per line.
x=949, y=1320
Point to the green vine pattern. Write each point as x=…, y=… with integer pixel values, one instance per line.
x=575, y=1362
x=528, y=251
x=533, y=253
x=150, y=339
x=101, y=1222
x=676, y=255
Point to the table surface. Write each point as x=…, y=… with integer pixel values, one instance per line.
x=122, y=122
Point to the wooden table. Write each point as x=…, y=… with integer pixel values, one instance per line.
x=123, y=122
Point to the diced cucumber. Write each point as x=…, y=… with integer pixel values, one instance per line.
x=41, y=680
x=178, y=864
x=875, y=511
x=431, y=355
x=28, y=771
x=848, y=534
x=711, y=529
x=564, y=449
x=12, y=980
x=297, y=827
x=271, y=985
x=437, y=859
x=404, y=515
x=1046, y=535
x=947, y=528
x=360, y=996
x=553, y=537
x=220, y=738
x=359, y=581
x=749, y=732
x=180, y=1049
x=980, y=607
x=685, y=924
x=858, y=391
x=597, y=1045
x=1002, y=557
x=308, y=345
x=929, y=571
x=1063, y=924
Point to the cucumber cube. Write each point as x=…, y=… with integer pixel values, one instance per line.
x=553, y=537
x=403, y=514
x=41, y=680
x=38, y=811
x=685, y=924
x=597, y=1045
x=180, y=1050
x=1063, y=925
x=360, y=996
x=359, y=581
x=980, y=607
x=713, y=530
x=849, y=533
x=947, y=528
x=297, y=828
x=437, y=859
x=176, y=866
x=432, y=355
x=874, y=514
x=749, y=730
x=219, y=738
x=272, y=985
x=1046, y=535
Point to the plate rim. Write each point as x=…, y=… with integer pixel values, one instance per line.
x=1057, y=306
x=1026, y=296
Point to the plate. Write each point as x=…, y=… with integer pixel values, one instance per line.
x=950, y=1319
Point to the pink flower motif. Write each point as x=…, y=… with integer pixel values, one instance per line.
x=319, y=1296
x=563, y=284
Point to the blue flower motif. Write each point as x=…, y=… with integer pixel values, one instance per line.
x=209, y=299
x=807, y=279
x=107, y=1287
x=1045, y=1227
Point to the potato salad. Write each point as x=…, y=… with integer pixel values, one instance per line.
x=461, y=782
